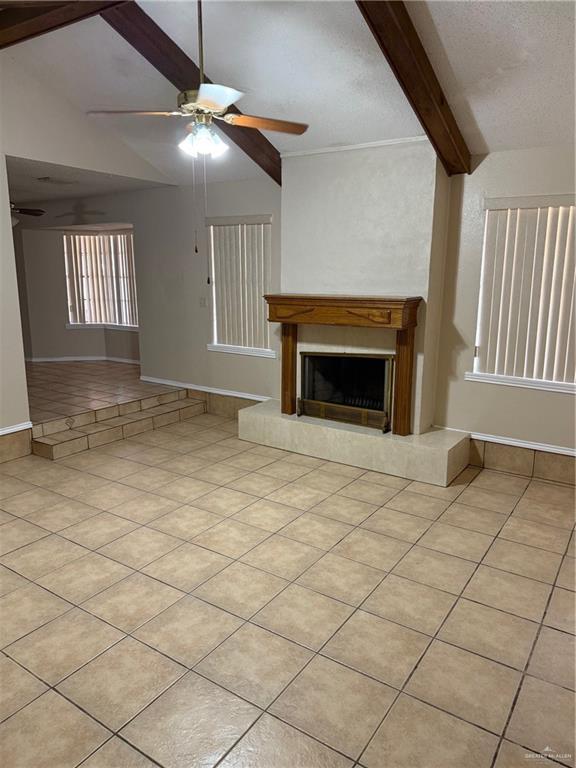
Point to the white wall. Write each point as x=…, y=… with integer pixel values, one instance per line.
x=361, y=222
x=173, y=294
x=510, y=412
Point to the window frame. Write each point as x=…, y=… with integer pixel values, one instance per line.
x=214, y=345
x=515, y=203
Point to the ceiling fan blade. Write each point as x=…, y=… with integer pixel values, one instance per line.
x=135, y=112
x=265, y=123
x=217, y=97
x=28, y=211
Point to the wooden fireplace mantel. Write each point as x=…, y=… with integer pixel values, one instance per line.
x=395, y=313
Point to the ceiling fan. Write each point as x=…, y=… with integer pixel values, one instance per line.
x=18, y=211
x=208, y=103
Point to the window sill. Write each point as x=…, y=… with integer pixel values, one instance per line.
x=107, y=326
x=517, y=381
x=250, y=351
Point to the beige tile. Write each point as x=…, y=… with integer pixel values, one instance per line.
x=62, y=515
x=255, y=483
x=417, y=504
x=562, y=496
x=451, y=540
x=409, y=603
x=544, y=714
x=493, y=501
x=268, y=515
x=543, y=512
x=491, y=633
x=185, y=522
x=413, y=734
x=62, y=646
x=117, y=754
x=273, y=743
x=150, y=479
x=25, y=503
x=555, y=466
x=298, y=495
x=63, y=735
x=225, y=501
x=515, y=594
x=523, y=561
x=342, y=579
x=82, y=578
x=283, y=557
x=317, y=531
x=450, y=493
x=553, y=658
x=466, y=685
x=535, y=534
x=391, y=481
x=255, y=664
x=508, y=458
x=186, y=465
x=336, y=705
x=231, y=538
x=324, y=481
x=500, y=482
x=193, y=724
x=282, y=470
x=399, y=525
x=186, y=489
x=11, y=486
x=188, y=630
x=27, y=609
x=109, y=496
x=473, y=519
x=99, y=530
x=379, y=648
x=132, y=602
x=513, y=756
x=344, y=470
x=140, y=547
x=560, y=613
x=17, y=534
x=43, y=556
x=118, y=684
x=372, y=549
x=240, y=589
x=477, y=448
x=187, y=567
x=304, y=616
x=435, y=569
x=373, y=493
x=145, y=508
x=9, y=581
x=18, y=687
x=344, y=509
x=566, y=575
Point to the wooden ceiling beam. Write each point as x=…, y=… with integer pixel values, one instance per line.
x=396, y=35
x=20, y=21
x=146, y=37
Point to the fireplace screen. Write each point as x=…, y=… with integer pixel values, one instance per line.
x=351, y=388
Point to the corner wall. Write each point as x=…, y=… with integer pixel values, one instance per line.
x=513, y=413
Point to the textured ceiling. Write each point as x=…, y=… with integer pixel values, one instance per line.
x=507, y=69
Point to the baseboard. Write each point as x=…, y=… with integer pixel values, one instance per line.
x=15, y=428
x=524, y=444
x=81, y=358
x=201, y=388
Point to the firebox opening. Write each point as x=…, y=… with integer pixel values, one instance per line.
x=347, y=387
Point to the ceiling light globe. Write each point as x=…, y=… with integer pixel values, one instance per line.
x=203, y=140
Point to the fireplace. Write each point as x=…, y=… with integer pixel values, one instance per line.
x=347, y=387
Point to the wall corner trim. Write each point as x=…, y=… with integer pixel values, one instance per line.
x=15, y=428
x=81, y=359
x=201, y=388
x=545, y=447
x=517, y=381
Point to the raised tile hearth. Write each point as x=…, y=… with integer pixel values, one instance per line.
x=436, y=457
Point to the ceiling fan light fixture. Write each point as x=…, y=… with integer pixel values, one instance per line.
x=203, y=140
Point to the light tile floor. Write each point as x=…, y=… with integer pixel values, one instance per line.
x=187, y=599
x=57, y=390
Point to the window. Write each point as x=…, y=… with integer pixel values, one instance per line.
x=526, y=331
x=240, y=263
x=100, y=279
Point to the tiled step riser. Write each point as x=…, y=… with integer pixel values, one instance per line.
x=118, y=428
x=103, y=414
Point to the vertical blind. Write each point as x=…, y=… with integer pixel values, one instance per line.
x=240, y=257
x=527, y=316
x=100, y=278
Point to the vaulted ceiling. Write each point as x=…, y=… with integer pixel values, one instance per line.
x=507, y=69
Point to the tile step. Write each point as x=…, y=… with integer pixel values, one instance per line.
x=78, y=438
